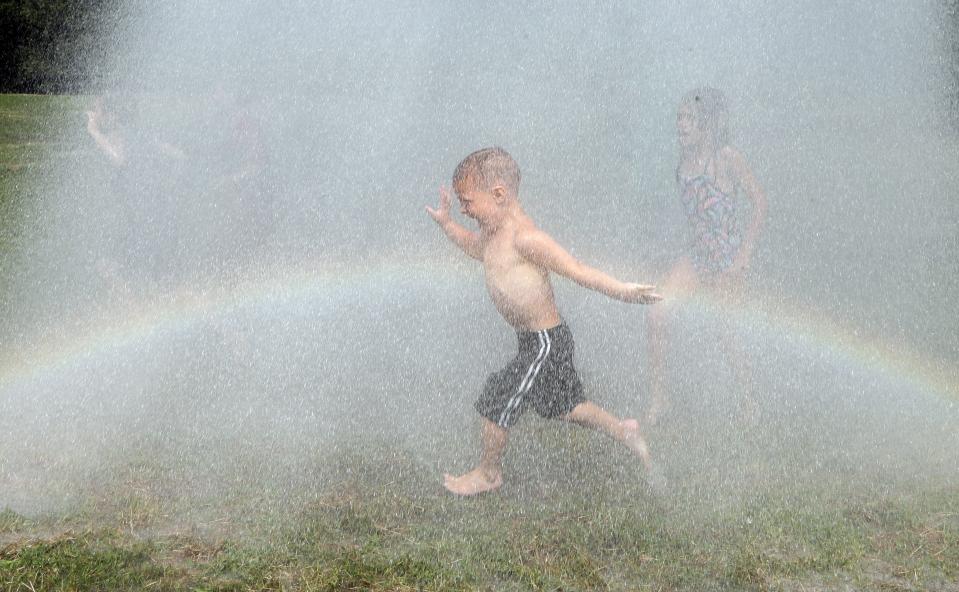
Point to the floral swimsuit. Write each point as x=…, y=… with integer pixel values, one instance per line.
x=715, y=237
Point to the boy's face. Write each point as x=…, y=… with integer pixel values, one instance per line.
x=687, y=127
x=476, y=203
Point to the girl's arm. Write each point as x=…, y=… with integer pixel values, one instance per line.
x=745, y=180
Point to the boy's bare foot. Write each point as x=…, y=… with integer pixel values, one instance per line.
x=472, y=483
x=634, y=440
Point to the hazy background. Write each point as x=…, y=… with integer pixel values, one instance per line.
x=362, y=111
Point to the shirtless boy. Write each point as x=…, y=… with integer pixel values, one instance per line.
x=517, y=259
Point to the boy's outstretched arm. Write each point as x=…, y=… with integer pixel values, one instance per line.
x=461, y=237
x=541, y=249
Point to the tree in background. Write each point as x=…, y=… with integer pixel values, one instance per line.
x=57, y=46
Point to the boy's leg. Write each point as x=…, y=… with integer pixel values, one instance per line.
x=488, y=475
x=590, y=415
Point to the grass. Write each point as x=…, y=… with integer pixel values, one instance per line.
x=28, y=134
x=365, y=532
x=27, y=140
x=373, y=518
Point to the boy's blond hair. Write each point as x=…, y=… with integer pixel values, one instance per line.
x=487, y=168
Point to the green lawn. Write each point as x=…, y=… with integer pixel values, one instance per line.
x=28, y=137
x=379, y=521
x=375, y=518
x=28, y=129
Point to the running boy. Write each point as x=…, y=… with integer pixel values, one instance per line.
x=518, y=258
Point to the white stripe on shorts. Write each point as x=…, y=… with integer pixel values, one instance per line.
x=545, y=344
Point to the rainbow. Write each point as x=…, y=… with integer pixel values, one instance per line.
x=332, y=285
x=778, y=319
x=131, y=323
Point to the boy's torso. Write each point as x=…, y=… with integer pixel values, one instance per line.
x=520, y=289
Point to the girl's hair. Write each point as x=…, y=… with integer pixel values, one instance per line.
x=709, y=105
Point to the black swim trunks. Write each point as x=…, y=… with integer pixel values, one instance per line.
x=541, y=376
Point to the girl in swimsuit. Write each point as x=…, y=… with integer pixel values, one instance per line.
x=711, y=176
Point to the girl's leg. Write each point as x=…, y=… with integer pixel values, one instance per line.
x=732, y=291
x=680, y=282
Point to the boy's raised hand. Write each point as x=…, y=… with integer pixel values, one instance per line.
x=641, y=294
x=468, y=241
x=442, y=214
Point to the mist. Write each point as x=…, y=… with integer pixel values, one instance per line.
x=158, y=317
